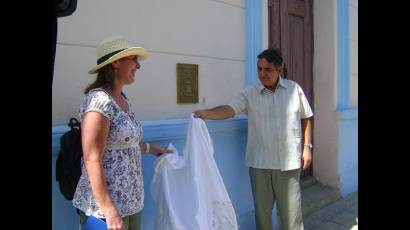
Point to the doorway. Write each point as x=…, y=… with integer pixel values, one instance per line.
x=290, y=25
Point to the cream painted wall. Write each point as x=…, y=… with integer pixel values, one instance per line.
x=354, y=41
x=325, y=160
x=209, y=33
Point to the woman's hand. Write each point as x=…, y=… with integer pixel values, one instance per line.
x=158, y=151
x=114, y=220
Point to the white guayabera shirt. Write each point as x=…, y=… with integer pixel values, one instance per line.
x=274, y=124
x=188, y=190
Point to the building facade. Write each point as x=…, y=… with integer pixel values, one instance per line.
x=222, y=37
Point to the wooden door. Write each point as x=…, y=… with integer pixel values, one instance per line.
x=291, y=30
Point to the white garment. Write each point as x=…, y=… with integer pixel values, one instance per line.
x=274, y=124
x=188, y=190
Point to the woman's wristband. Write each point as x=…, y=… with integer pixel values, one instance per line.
x=147, y=147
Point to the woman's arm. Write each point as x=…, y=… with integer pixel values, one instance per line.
x=95, y=128
x=155, y=150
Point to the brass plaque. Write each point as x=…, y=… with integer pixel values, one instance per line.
x=187, y=83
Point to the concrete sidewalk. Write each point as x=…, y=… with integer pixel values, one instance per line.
x=340, y=215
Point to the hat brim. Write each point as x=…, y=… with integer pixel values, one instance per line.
x=139, y=51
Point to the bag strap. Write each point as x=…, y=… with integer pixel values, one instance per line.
x=74, y=123
x=65, y=7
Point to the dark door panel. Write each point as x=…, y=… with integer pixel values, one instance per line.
x=291, y=30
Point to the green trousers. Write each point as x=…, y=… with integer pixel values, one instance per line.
x=131, y=222
x=269, y=186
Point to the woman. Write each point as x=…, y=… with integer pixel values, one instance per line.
x=111, y=184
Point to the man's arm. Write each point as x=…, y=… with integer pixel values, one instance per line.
x=307, y=137
x=307, y=130
x=218, y=113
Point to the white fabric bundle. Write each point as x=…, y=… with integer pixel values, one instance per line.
x=188, y=190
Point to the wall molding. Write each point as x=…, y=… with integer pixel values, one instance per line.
x=343, y=55
x=253, y=38
x=348, y=114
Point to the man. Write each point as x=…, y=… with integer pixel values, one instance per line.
x=275, y=152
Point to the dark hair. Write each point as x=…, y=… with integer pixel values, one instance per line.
x=272, y=55
x=105, y=78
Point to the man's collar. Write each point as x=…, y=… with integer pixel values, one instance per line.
x=262, y=88
x=283, y=83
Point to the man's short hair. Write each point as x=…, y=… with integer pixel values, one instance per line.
x=272, y=55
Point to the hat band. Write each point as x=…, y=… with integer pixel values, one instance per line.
x=105, y=57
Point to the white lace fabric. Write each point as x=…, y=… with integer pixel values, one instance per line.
x=188, y=190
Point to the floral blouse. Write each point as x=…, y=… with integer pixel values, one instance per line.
x=121, y=160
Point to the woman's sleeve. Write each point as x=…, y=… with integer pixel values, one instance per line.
x=97, y=101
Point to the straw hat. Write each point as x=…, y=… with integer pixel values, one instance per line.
x=114, y=48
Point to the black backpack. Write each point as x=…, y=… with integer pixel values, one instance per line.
x=65, y=7
x=68, y=166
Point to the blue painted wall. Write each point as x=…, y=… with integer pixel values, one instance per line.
x=343, y=52
x=253, y=40
x=348, y=152
x=229, y=140
x=348, y=141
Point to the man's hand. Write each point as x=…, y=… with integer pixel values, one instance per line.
x=200, y=114
x=306, y=158
x=218, y=113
